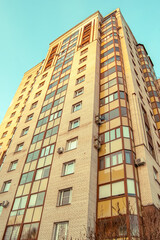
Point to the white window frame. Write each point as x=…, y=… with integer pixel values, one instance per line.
x=79, y=92
x=72, y=144
x=56, y=233
x=74, y=123
x=66, y=168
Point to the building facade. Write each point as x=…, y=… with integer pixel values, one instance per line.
x=79, y=144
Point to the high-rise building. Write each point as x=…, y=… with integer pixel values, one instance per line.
x=79, y=144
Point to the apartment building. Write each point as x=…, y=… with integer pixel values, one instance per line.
x=79, y=144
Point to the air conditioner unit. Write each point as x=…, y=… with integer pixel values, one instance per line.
x=60, y=150
x=4, y=204
x=99, y=119
x=139, y=162
x=97, y=143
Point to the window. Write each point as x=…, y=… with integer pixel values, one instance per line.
x=26, y=177
x=33, y=156
x=58, y=101
x=20, y=203
x=68, y=60
x=42, y=121
x=51, y=132
x=38, y=137
x=111, y=135
x=79, y=92
x=65, y=197
x=36, y=199
x=29, y=76
x=44, y=75
x=74, y=123
x=53, y=84
x=1, y=145
x=81, y=79
x=19, y=147
x=34, y=105
x=50, y=95
x=155, y=173
x=20, y=97
x=46, y=107
x=66, y=69
x=60, y=231
x=83, y=59
x=6, y=186
x=4, y=134
x=42, y=173
x=23, y=90
x=64, y=78
x=13, y=165
x=126, y=132
x=38, y=94
x=71, y=144
x=128, y=156
x=29, y=117
x=131, y=187
x=61, y=89
x=16, y=106
x=30, y=230
x=108, y=72
x=104, y=191
x=68, y=168
x=12, y=232
x=41, y=84
x=118, y=188
x=55, y=115
x=77, y=106
x=24, y=131
x=47, y=150
x=84, y=51
x=81, y=69
x=111, y=115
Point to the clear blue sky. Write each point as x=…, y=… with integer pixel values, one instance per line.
x=27, y=28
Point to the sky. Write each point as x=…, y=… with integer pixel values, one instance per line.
x=27, y=28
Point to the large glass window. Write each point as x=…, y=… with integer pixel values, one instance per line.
x=33, y=156
x=126, y=132
x=19, y=203
x=12, y=233
x=118, y=188
x=131, y=187
x=51, y=132
x=58, y=101
x=104, y=191
x=55, y=115
x=36, y=199
x=38, y=137
x=46, y=107
x=42, y=121
x=26, y=177
x=42, y=173
x=29, y=231
x=47, y=150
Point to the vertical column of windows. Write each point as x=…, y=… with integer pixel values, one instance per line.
x=116, y=179
x=150, y=78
